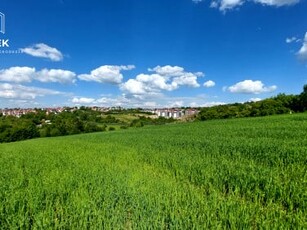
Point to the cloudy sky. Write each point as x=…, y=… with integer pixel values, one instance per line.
x=145, y=53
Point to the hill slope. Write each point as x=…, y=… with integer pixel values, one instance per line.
x=242, y=173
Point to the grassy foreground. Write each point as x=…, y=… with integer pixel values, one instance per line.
x=226, y=174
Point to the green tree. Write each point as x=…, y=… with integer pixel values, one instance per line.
x=303, y=98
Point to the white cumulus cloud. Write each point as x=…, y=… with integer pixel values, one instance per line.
x=43, y=51
x=225, y=5
x=56, y=75
x=104, y=101
x=27, y=74
x=163, y=78
x=277, y=3
x=229, y=4
x=134, y=87
x=168, y=70
x=207, y=104
x=255, y=99
x=144, y=101
x=292, y=39
x=251, y=87
x=155, y=82
x=17, y=74
x=302, y=53
x=187, y=79
x=214, y=4
x=83, y=100
x=150, y=104
x=17, y=91
x=209, y=84
x=176, y=104
x=106, y=74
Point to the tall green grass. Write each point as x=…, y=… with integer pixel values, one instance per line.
x=227, y=174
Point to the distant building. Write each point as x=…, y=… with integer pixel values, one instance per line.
x=175, y=113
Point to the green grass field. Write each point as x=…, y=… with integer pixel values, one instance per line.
x=225, y=174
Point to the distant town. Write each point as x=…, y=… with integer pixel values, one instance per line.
x=174, y=113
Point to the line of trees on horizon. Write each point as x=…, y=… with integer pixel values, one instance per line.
x=83, y=120
x=280, y=104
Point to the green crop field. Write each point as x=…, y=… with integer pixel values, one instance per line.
x=224, y=174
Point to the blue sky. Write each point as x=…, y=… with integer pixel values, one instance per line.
x=145, y=53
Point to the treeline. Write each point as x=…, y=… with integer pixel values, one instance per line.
x=143, y=120
x=83, y=120
x=280, y=104
x=39, y=124
x=15, y=129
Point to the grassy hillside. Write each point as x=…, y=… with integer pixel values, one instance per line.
x=241, y=173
